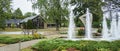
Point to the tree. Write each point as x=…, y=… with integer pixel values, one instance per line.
x=8, y=15
x=115, y=2
x=5, y=7
x=29, y=25
x=18, y=14
x=54, y=10
x=28, y=14
x=112, y=5
x=93, y=5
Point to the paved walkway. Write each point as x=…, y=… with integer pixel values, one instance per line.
x=18, y=46
x=22, y=45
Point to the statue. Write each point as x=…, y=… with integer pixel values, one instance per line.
x=83, y=18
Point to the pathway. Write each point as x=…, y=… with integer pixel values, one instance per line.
x=16, y=47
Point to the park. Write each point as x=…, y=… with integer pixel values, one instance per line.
x=60, y=25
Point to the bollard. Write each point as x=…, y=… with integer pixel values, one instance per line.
x=19, y=46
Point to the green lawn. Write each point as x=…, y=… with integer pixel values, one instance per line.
x=12, y=35
x=11, y=29
x=27, y=49
x=4, y=38
x=14, y=38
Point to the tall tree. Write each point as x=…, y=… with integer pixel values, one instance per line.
x=18, y=14
x=28, y=14
x=55, y=10
x=5, y=7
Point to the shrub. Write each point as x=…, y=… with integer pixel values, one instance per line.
x=83, y=45
x=13, y=25
x=81, y=32
x=96, y=24
x=99, y=30
x=117, y=43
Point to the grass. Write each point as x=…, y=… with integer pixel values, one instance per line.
x=14, y=38
x=12, y=35
x=11, y=29
x=27, y=49
x=7, y=35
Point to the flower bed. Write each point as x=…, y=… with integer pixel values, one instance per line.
x=82, y=45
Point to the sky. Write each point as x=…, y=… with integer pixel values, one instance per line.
x=24, y=5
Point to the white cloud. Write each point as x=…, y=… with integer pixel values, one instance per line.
x=24, y=5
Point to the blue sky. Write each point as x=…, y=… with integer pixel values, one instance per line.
x=24, y=5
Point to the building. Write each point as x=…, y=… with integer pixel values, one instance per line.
x=38, y=21
x=12, y=23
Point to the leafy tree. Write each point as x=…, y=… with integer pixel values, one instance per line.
x=93, y=5
x=115, y=2
x=112, y=5
x=54, y=10
x=2, y=24
x=8, y=15
x=28, y=25
x=5, y=7
x=18, y=14
x=28, y=14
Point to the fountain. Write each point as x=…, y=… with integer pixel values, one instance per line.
x=108, y=35
x=71, y=29
x=105, y=34
x=88, y=29
x=118, y=27
x=88, y=25
x=113, y=30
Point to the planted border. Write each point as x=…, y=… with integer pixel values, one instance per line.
x=83, y=45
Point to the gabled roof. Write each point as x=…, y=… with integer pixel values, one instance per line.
x=29, y=18
x=14, y=21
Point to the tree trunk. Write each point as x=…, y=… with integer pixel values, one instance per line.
x=57, y=25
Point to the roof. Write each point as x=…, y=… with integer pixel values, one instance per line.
x=14, y=21
x=29, y=18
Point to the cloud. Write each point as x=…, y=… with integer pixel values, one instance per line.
x=24, y=5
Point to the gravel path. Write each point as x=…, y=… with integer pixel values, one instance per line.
x=16, y=47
